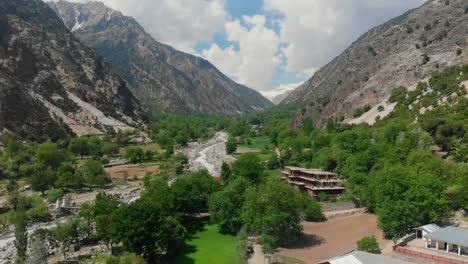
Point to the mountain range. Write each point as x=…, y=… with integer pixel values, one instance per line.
x=403, y=51
x=51, y=85
x=160, y=76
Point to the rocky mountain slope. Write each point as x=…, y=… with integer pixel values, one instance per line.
x=51, y=85
x=160, y=76
x=402, y=51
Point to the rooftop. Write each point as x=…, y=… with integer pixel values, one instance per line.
x=428, y=228
x=309, y=171
x=360, y=257
x=452, y=235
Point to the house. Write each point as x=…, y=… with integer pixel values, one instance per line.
x=314, y=181
x=360, y=257
x=450, y=239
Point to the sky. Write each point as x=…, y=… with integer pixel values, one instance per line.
x=271, y=46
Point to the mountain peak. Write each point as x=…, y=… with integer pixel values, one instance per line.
x=160, y=76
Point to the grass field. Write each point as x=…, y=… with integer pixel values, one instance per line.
x=207, y=245
x=258, y=142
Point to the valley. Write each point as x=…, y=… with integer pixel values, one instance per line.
x=117, y=148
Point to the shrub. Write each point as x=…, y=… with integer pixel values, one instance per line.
x=459, y=51
x=409, y=29
x=368, y=244
x=367, y=107
x=425, y=59
x=380, y=108
x=417, y=46
x=231, y=145
x=398, y=95
x=427, y=27
x=358, y=112
x=54, y=194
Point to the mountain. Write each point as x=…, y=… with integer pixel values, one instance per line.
x=280, y=97
x=52, y=86
x=402, y=51
x=160, y=76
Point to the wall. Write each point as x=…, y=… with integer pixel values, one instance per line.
x=330, y=207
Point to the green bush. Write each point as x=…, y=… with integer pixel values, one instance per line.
x=368, y=244
x=54, y=194
x=380, y=108
x=358, y=112
x=398, y=95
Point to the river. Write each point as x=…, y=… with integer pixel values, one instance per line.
x=209, y=155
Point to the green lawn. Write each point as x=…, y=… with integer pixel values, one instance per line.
x=207, y=245
x=258, y=142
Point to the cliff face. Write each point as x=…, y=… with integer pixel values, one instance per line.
x=402, y=51
x=160, y=76
x=53, y=86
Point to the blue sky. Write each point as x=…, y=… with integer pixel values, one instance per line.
x=268, y=45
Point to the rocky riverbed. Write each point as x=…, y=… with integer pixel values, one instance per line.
x=209, y=155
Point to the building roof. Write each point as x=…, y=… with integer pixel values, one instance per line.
x=360, y=257
x=452, y=235
x=428, y=228
x=310, y=171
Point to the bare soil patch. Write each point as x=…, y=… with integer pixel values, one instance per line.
x=323, y=241
x=131, y=171
x=242, y=150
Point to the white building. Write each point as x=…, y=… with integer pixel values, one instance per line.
x=360, y=257
x=449, y=239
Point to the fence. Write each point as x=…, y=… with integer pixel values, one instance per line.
x=434, y=258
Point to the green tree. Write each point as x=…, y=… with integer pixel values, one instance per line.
x=67, y=177
x=66, y=234
x=368, y=244
x=273, y=211
x=248, y=167
x=145, y=228
x=94, y=173
x=50, y=155
x=311, y=209
x=225, y=173
x=95, y=147
x=79, y=146
x=134, y=154
x=231, y=145
x=109, y=148
x=42, y=179
x=21, y=234
x=103, y=211
x=192, y=192
x=226, y=206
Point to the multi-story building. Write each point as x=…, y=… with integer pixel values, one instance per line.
x=314, y=181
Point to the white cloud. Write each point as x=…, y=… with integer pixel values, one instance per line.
x=254, y=63
x=280, y=90
x=315, y=31
x=179, y=23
